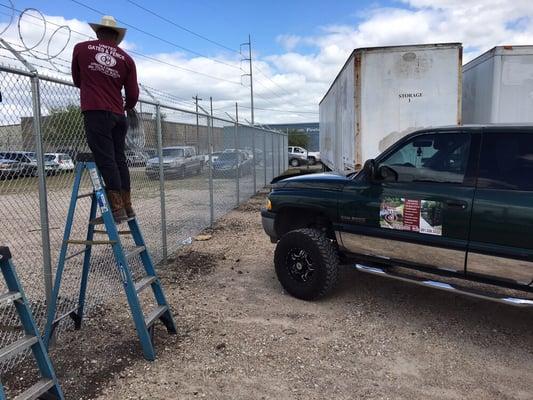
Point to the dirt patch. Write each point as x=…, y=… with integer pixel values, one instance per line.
x=189, y=264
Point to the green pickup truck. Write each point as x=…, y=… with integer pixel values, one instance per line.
x=452, y=202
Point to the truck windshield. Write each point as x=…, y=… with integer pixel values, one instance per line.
x=172, y=152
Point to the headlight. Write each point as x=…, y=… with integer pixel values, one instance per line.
x=268, y=204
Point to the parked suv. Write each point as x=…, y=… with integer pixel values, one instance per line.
x=178, y=161
x=454, y=202
x=64, y=161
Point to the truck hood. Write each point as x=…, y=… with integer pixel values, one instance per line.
x=328, y=180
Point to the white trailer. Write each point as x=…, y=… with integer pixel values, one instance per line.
x=383, y=93
x=498, y=86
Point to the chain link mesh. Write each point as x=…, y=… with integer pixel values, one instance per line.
x=195, y=147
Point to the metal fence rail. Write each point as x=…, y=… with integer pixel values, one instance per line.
x=187, y=170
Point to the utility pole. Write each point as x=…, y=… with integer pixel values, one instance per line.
x=250, y=74
x=196, y=98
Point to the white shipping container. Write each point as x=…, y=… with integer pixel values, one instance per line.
x=382, y=94
x=498, y=86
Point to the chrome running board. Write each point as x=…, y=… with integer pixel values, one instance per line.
x=447, y=287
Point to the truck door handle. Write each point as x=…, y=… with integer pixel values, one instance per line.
x=457, y=204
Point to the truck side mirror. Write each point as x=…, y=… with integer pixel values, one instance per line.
x=370, y=169
x=386, y=173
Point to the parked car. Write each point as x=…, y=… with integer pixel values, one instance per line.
x=10, y=169
x=452, y=202
x=230, y=163
x=28, y=163
x=178, y=161
x=64, y=161
x=136, y=158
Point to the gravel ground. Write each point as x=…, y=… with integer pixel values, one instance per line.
x=241, y=337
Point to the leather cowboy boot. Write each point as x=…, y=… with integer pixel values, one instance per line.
x=117, y=208
x=126, y=199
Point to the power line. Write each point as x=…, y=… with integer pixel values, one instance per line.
x=158, y=37
x=271, y=80
x=182, y=27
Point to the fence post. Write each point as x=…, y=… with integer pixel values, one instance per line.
x=254, y=159
x=265, y=155
x=273, y=170
x=43, y=201
x=280, y=144
x=210, y=172
x=236, y=137
x=161, y=181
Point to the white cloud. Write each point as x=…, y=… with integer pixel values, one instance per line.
x=297, y=80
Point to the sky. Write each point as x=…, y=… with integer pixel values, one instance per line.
x=192, y=47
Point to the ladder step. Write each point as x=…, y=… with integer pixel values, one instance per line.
x=154, y=315
x=34, y=392
x=67, y=314
x=75, y=254
x=81, y=196
x=18, y=347
x=9, y=297
x=144, y=282
x=91, y=242
x=137, y=250
x=119, y=232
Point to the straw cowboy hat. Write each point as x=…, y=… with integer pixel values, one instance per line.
x=109, y=22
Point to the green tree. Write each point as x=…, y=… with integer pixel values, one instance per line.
x=298, y=138
x=64, y=127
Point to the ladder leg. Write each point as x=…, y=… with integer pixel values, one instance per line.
x=30, y=328
x=2, y=393
x=127, y=281
x=51, y=309
x=86, y=267
x=133, y=300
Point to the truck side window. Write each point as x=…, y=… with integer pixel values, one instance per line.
x=440, y=158
x=506, y=161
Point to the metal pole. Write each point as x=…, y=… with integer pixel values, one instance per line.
x=254, y=159
x=210, y=150
x=273, y=171
x=43, y=202
x=236, y=137
x=280, y=147
x=251, y=78
x=161, y=181
x=265, y=155
x=195, y=98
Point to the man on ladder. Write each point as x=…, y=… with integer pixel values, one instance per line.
x=101, y=69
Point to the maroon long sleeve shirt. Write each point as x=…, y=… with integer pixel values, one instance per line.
x=101, y=69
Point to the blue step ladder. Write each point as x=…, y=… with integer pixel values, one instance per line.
x=144, y=324
x=47, y=386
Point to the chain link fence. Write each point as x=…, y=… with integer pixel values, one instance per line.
x=187, y=170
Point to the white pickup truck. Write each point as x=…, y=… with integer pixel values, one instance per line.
x=298, y=155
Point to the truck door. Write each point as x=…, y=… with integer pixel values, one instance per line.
x=501, y=246
x=420, y=212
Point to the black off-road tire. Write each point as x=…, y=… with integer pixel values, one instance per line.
x=311, y=160
x=321, y=253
